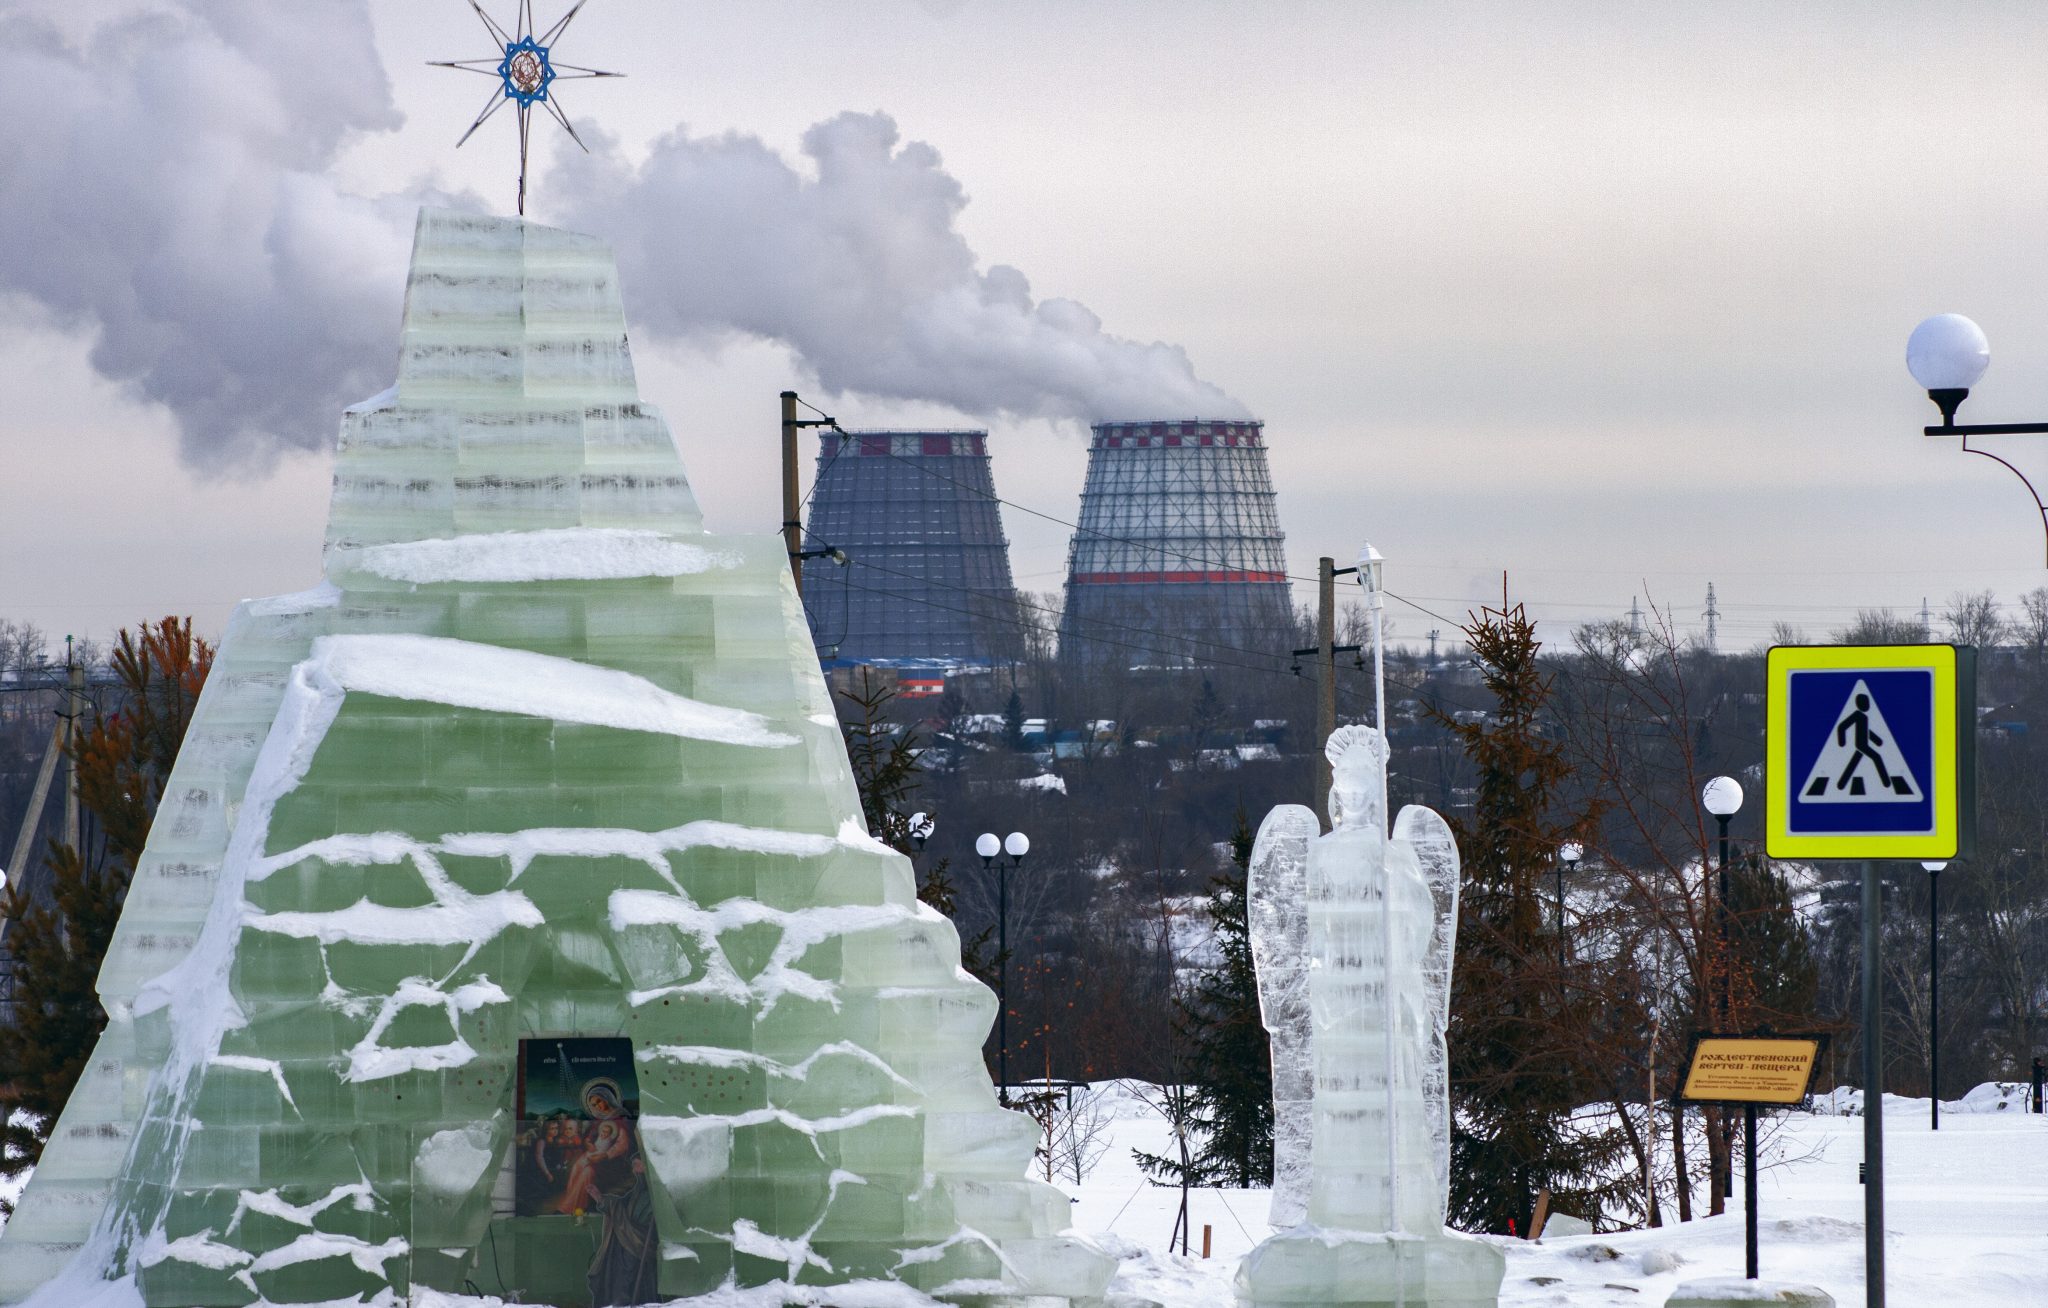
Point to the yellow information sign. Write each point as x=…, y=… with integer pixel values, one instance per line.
x=1750, y=1069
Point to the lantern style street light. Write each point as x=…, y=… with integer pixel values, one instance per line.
x=992, y=849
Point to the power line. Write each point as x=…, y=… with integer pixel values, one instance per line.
x=1020, y=623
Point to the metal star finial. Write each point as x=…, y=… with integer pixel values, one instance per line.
x=524, y=75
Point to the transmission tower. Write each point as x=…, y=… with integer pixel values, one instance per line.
x=1713, y=616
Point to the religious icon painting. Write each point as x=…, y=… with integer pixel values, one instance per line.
x=579, y=1157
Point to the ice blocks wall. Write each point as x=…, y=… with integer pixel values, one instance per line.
x=542, y=758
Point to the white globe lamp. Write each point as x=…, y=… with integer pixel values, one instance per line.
x=1947, y=354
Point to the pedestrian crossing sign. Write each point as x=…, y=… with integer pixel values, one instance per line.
x=1871, y=751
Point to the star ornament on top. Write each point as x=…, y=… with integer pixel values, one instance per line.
x=525, y=74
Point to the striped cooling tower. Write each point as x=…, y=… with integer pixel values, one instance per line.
x=928, y=570
x=1178, y=558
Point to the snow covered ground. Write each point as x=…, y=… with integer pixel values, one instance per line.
x=1966, y=1215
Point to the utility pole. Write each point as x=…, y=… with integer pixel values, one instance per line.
x=74, y=699
x=1326, y=649
x=792, y=524
x=792, y=528
x=1433, y=634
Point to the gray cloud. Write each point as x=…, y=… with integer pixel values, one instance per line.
x=168, y=185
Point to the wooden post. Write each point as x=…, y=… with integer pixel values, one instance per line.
x=792, y=528
x=74, y=706
x=1205, y=1239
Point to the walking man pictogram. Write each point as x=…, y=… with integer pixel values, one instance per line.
x=1858, y=723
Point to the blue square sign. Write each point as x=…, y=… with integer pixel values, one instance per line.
x=1870, y=750
x=1862, y=751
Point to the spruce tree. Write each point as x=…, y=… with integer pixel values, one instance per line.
x=1776, y=979
x=1520, y=1059
x=122, y=760
x=1013, y=722
x=1230, y=1066
x=1233, y=1064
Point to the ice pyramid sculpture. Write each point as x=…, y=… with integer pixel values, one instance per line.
x=509, y=927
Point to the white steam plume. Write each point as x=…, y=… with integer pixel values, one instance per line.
x=168, y=183
x=862, y=271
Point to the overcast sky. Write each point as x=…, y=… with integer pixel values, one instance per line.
x=1612, y=298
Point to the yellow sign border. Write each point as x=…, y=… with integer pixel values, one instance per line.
x=1808, y=1045
x=1944, y=787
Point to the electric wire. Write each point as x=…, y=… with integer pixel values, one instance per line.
x=1023, y=624
x=1150, y=546
x=854, y=560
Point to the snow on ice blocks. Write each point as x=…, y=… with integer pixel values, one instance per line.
x=541, y=760
x=1734, y=1292
x=1346, y=1269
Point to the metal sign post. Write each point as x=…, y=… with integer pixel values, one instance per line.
x=1747, y=1070
x=1871, y=755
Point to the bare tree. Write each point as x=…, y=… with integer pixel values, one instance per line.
x=1880, y=627
x=2030, y=629
x=1973, y=619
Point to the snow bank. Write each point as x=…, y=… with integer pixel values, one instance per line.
x=466, y=674
x=561, y=554
x=1990, y=1097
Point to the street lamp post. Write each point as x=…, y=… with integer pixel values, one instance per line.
x=1016, y=845
x=1934, y=993
x=1722, y=797
x=1371, y=565
x=1947, y=354
x=1568, y=856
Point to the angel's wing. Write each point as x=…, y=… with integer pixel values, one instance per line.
x=1429, y=836
x=1276, y=908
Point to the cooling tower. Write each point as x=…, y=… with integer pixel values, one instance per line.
x=927, y=573
x=1177, y=559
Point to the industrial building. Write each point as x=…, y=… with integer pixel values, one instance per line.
x=1177, y=559
x=926, y=584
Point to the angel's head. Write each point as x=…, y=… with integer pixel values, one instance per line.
x=1358, y=770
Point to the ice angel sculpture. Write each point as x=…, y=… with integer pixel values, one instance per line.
x=1379, y=921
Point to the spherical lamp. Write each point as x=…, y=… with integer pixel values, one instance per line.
x=1947, y=354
